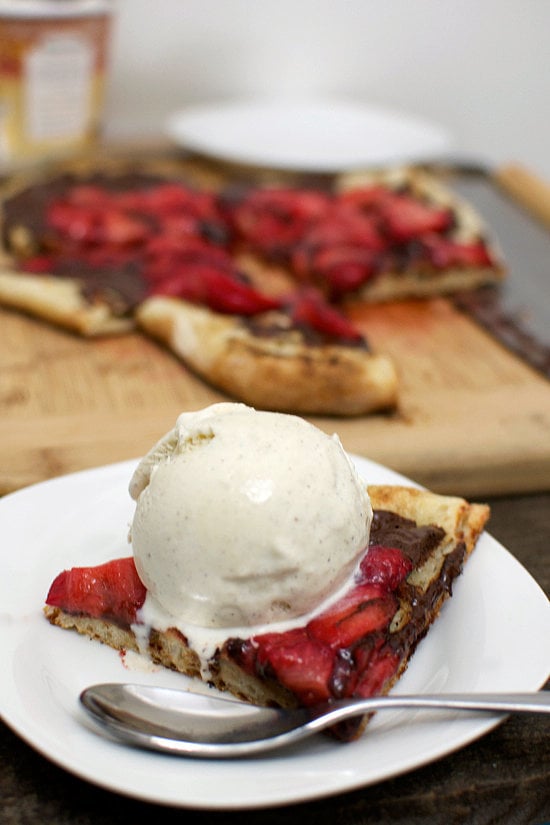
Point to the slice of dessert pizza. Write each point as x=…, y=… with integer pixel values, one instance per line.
x=264, y=565
x=302, y=356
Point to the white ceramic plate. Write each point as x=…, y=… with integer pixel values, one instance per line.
x=309, y=136
x=494, y=634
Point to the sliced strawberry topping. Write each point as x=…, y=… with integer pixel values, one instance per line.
x=444, y=253
x=308, y=308
x=405, y=218
x=39, y=264
x=222, y=291
x=366, y=609
x=343, y=651
x=111, y=591
x=384, y=566
x=365, y=198
x=272, y=220
x=88, y=195
x=95, y=225
x=301, y=663
x=344, y=268
x=375, y=666
x=345, y=225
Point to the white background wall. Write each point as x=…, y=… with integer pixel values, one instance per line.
x=481, y=68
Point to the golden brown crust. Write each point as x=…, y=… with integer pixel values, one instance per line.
x=99, y=629
x=462, y=522
x=61, y=302
x=280, y=372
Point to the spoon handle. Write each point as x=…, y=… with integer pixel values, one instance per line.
x=488, y=702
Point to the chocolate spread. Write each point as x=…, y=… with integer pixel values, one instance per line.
x=392, y=530
x=276, y=324
x=122, y=287
x=484, y=305
x=28, y=207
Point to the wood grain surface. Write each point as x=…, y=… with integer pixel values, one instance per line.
x=473, y=419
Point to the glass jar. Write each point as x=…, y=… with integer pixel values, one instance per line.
x=53, y=62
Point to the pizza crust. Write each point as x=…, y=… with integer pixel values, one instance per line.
x=61, y=302
x=281, y=373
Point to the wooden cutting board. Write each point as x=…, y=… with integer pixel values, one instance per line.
x=473, y=419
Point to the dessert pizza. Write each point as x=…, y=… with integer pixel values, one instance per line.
x=247, y=285
x=358, y=646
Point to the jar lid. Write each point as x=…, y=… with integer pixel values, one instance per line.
x=29, y=9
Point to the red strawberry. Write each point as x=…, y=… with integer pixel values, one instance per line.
x=88, y=195
x=220, y=290
x=365, y=609
x=385, y=566
x=111, y=591
x=344, y=268
x=39, y=264
x=364, y=198
x=164, y=253
x=345, y=226
x=443, y=252
x=116, y=227
x=272, y=220
x=375, y=670
x=405, y=218
x=308, y=308
x=98, y=225
x=302, y=664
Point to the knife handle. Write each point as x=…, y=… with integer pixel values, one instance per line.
x=525, y=188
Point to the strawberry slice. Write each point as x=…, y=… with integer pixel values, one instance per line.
x=343, y=225
x=443, y=253
x=39, y=264
x=88, y=195
x=302, y=664
x=222, y=291
x=385, y=566
x=98, y=225
x=365, y=198
x=308, y=308
x=272, y=220
x=163, y=254
x=344, y=268
x=405, y=218
x=366, y=609
x=375, y=669
x=111, y=591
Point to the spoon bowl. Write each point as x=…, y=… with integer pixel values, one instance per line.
x=191, y=724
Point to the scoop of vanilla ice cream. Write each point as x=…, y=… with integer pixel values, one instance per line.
x=246, y=517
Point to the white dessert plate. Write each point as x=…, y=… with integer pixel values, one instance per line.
x=494, y=634
x=325, y=136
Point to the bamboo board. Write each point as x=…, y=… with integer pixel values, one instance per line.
x=473, y=419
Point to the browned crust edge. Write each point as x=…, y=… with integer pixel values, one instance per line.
x=281, y=373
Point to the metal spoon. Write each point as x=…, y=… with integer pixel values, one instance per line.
x=193, y=724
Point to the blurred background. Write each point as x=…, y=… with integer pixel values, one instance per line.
x=478, y=68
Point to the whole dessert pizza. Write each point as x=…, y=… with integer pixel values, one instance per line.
x=247, y=284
